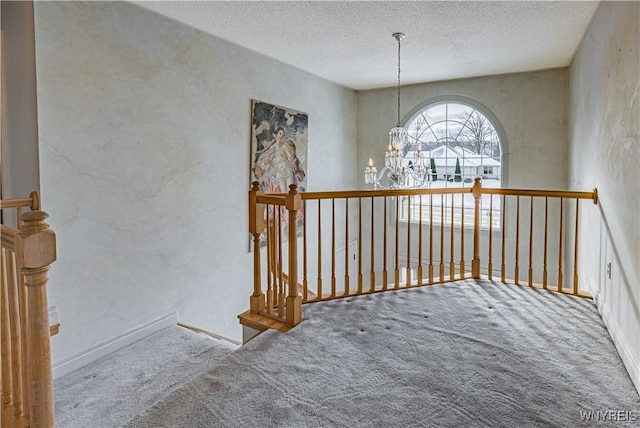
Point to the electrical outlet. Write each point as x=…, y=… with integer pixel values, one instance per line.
x=609, y=270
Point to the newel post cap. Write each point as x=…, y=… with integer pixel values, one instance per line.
x=38, y=240
x=293, y=200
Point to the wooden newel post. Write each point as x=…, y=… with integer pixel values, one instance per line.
x=475, y=262
x=38, y=251
x=256, y=226
x=293, y=202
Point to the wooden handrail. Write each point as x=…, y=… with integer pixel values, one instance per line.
x=343, y=194
x=543, y=193
x=33, y=202
x=279, y=200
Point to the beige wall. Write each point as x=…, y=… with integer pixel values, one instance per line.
x=20, y=173
x=531, y=107
x=144, y=126
x=604, y=152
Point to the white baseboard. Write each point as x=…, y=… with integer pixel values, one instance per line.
x=626, y=354
x=89, y=355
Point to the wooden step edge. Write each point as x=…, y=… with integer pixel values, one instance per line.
x=262, y=322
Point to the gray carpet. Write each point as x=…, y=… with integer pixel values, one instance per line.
x=112, y=390
x=462, y=354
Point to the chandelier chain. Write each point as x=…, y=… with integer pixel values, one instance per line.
x=398, y=124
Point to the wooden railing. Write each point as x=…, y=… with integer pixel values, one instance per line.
x=28, y=249
x=361, y=242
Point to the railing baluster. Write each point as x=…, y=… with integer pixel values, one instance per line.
x=333, y=247
x=430, y=239
x=372, y=273
x=13, y=288
x=408, y=281
x=24, y=320
x=517, y=267
x=385, y=279
x=5, y=338
x=560, y=286
x=359, y=245
x=281, y=293
x=452, y=264
x=271, y=271
x=346, y=247
x=420, y=243
x=462, y=268
x=319, y=286
x=503, y=224
x=531, y=243
x=475, y=262
x=575, y=251
x=305, y=283
x=490, y=264
x=442, y=219
x=546, y=230
x=396, y=282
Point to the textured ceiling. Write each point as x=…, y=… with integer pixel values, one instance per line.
x=350, y=42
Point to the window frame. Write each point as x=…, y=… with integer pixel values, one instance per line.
x=502, y=141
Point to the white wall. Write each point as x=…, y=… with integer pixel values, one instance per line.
x=604, y=152
x=531, y=108
x=19, y=140
x=144, y=158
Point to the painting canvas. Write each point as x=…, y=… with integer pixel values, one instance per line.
x=279, y=140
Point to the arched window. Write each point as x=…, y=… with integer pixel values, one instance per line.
x=463, y=140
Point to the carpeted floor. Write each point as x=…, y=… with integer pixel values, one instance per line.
x=112, y=390
x=461, y=354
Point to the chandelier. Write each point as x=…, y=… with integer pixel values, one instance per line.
x=400, y=170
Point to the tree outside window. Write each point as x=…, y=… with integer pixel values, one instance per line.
x=462, y=144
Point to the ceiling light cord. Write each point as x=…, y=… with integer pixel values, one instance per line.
x=398, y=37
x=398, y=124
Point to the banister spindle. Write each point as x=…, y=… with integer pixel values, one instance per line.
x=530, y=273
x=346, y=247
x=442, y=218
x=462, y=268
x=372, y=273
x=517, y=261
x=5, y=336
x=475, y=262
x=452, y=263
x=430, y=238
x=397, y=251
x=420, y=242
x=490, y=264
x=359, y=245
x=319, y=291
x=575, y=249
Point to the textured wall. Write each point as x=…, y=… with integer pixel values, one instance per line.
x=19, y=114
x=144, y=143
x=530, y=106
x=604, y=152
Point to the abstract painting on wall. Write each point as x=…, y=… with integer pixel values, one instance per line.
x=279, y=140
